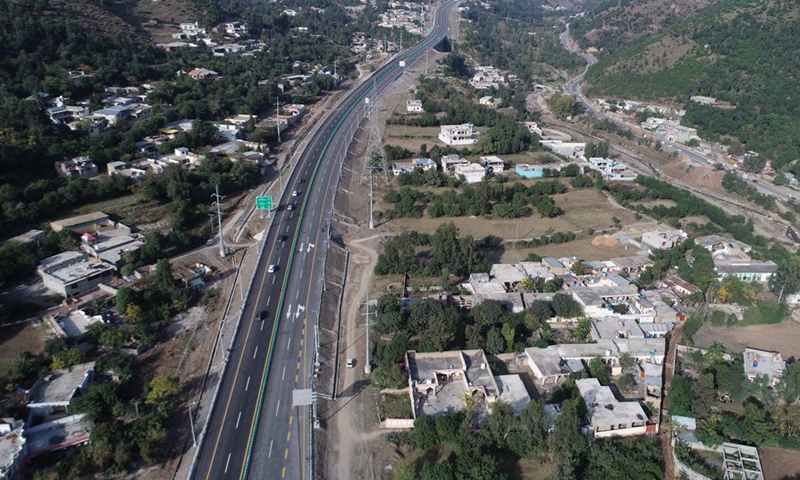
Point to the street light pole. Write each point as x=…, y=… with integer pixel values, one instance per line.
x=367, y=365
x=218, y=199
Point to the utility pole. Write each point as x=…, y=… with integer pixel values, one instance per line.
x=278, y=114
x=367, y=365
x=191, y=423
x=218, y=199
x=371, y=216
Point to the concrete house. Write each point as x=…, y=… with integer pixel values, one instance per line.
x=414, y=106
x=450, y=162
x=471, y=173
x=72, y=273
x=55, y=391
x=493, y=164
x=424, y=163
x=608, y=417
x=78, y=167
x=762, y=362
x=456, y=135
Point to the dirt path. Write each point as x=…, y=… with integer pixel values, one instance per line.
x=351, y=417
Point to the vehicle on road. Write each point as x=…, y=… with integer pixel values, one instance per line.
x=272, y=268
x=262, y=315
x=351, y=362
x=211, y=241
x=290, y=207
x=295, y=193
x=302, y=181
x=281, y=238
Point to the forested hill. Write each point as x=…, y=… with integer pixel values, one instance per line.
x=741, y=51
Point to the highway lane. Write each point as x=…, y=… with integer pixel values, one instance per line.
x=572, y=87
x=252, y=419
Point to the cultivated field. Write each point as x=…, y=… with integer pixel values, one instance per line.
x=780, y=463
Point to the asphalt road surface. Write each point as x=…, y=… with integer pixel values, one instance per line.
x=255, y=431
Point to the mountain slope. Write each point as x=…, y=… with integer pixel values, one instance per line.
x=740, y=51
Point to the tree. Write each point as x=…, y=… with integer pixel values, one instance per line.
x=494, y=342
x=790, y=385
x=583, y=330
x=420, y=313
x=438, y=471
x=424, y=432
x=161, y=389
x=534, y=420
x=786, y=279
x=704, y=395
x=680, y=396
x=598, y=370
x=568, y=441
x=562, y=106
x=509, y=334
x=578, y=268
x=541, y=310
x=626, y=361
x=389, y=322
x=67, y=358
x=404, y=470
x=489, y=312
x=565, y=306
x=448, y=426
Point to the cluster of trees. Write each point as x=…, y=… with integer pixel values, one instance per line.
x=769, y=416
x=482, y=199
x=556, y=238
x=40, y=199
x=130, y=422
x=562, y=106
x=428, y=326
x=442, y=254
x=500, y=35
x=151, y=303
x=486, y=452
x=736, y=184
x=686, y=205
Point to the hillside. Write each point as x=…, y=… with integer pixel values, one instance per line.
x=740, y=51
x=610, y=24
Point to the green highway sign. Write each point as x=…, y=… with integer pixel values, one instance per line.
x=264, y=203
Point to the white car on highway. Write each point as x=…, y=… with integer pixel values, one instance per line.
x=272, y=268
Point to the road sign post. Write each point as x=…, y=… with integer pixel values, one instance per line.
x=264, y=203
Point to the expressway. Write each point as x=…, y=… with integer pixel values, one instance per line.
x=572, y=87
x=253, y=430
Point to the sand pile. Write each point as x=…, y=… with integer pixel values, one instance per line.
x=605, y=241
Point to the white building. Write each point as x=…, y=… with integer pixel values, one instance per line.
x=567, y=149
x=607, y=417
x=450, y=162
x=493, y=163
x=662, y=239
x=399, y=168
x=471, y=173
x=414, y=106
x=458, y=134
x=490, y=101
